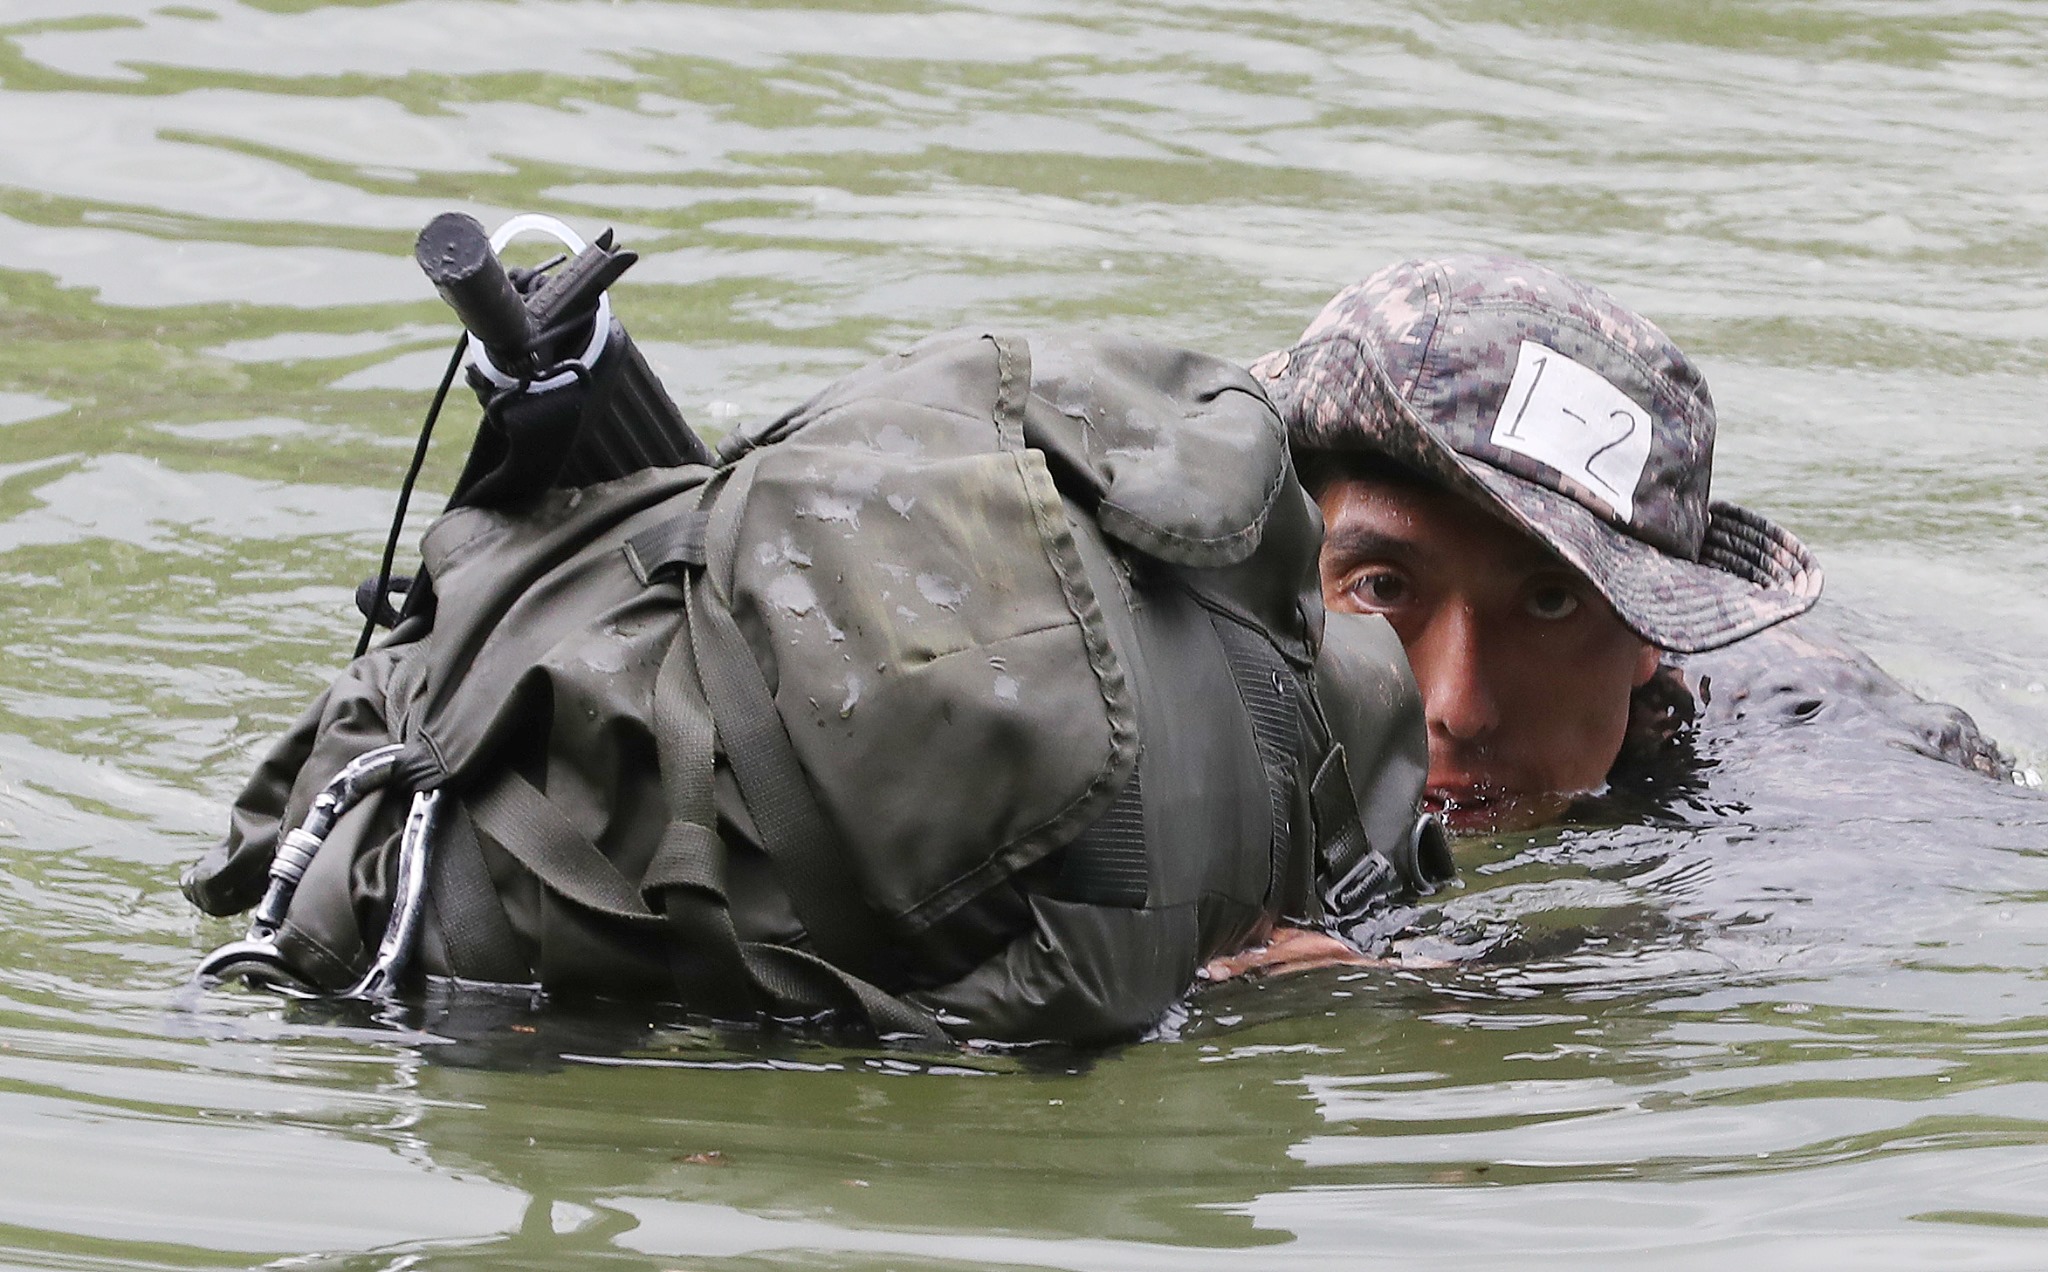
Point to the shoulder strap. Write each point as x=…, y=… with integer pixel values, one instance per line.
x=1353, y=873
x=477, y=940
x=526, y=824
x=687, y=873
x=809, y=859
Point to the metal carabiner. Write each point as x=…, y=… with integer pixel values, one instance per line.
x=255, y=958
x=401, y=931
x=255, y=961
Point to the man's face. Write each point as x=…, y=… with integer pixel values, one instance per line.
x=1525, y=671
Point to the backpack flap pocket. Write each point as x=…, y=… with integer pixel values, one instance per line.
x=938, y=659
x=1185, y=450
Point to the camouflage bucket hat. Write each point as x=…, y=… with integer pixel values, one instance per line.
x=1566, y=414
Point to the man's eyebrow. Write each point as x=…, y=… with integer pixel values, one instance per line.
x=1362, y=543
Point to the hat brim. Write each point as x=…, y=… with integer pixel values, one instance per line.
x=1752, y=573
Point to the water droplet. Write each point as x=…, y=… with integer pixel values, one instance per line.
x=941, y=591
x=892, y=440
x=858, y=480
x=838, y=509
x=852, y=696
x=791, y=592
x=766, y=553
x=793, y=595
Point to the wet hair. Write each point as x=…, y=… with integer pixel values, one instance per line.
x=1660, y=717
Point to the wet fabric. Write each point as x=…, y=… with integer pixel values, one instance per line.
x=1804, y=679
x=983, y=695
x=1566, y=414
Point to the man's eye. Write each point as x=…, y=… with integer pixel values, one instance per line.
x=1552, y=603
x=1380, y=589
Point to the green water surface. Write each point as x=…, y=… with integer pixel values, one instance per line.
x=1809, y=1024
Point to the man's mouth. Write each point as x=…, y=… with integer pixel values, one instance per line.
x=1469, y=807
x=1481, y=808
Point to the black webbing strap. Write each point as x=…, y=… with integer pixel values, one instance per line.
x=477, y=939
x=800, y=977
x=712, y=964
x=686, y=878
x=1272, y=699
x=526, y=824
x=809, y=860
x=1354, y=874
x=658, y=552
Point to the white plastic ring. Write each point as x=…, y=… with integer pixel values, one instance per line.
x=600, y=328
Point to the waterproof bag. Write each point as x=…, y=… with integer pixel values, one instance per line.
x=985, y=695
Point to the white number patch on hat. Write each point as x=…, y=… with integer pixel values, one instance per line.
x=1565, y=414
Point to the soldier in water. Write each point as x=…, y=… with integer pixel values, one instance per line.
x=1514, y=470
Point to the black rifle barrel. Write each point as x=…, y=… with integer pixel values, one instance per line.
x=456, y=254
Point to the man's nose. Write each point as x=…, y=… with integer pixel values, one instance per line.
x=1456, y=684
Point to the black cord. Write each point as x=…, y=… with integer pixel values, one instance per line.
x=412, y=475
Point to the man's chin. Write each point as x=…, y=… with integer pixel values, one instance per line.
x=1481, y=810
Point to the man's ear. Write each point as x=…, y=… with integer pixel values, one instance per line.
x=1647, y=663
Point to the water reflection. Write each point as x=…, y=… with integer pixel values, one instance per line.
x=1796, y=1002
x=1351, y=1104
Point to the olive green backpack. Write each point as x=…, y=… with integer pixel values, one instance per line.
x=986, y=695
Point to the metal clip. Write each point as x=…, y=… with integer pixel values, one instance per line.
x=256, y=958
x=401, y=931
x=1370, y=878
